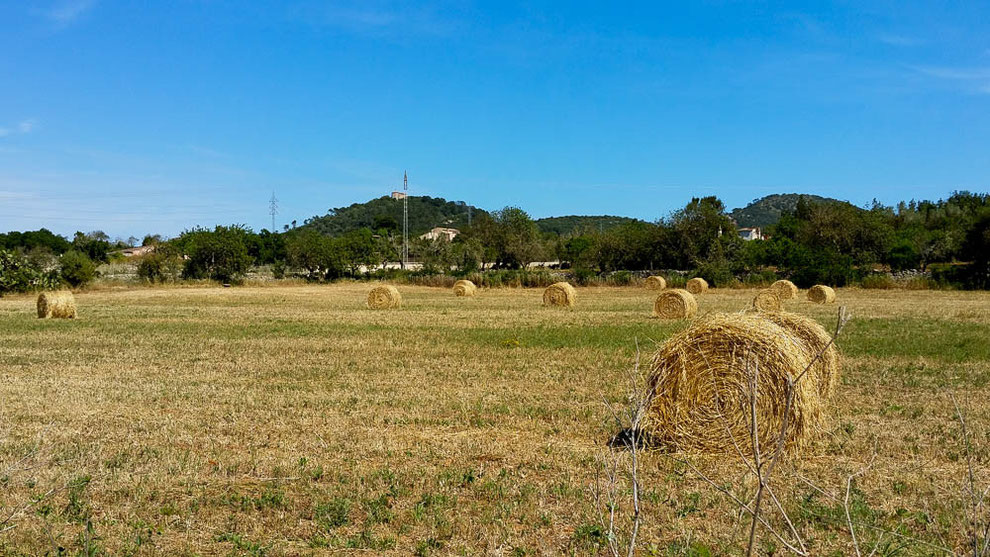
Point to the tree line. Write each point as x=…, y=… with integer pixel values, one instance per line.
x=818, y=242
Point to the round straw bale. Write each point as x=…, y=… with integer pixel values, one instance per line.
x=675, y=303
x=656, y=283
x=702, y=387
x=58, y=305
x=559, y=294
x=784, y=289
x=767, y=300
x=824, y=372
x=697, y=285
x=384, y=296
x=821, y=294
x=464, y=288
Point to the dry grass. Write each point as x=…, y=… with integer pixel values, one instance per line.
x=293, y=421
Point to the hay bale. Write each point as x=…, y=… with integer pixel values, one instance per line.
x=56, y=305
x=384, y=296
x=559, y=294
x=697, y=285
x=464, y=288
x=676, y=303
x=821, y=294
x=701, y=387
x=656, y=283
x=784, y=289
x=767, y=300
x=824, y=372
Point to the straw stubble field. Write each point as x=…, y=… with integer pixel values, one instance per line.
x=295, y=420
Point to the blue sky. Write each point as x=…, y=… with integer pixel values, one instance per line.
x=152, y=117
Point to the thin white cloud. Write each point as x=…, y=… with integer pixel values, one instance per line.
x=27, y=126
x=949, y=72
x=65, y=12
x=379, y=18
x=899, y=40
x=970, y=79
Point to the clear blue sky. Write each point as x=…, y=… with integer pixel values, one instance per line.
x=137, y=117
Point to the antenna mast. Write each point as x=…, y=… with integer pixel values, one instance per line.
x=273, y=209
x=405, y=220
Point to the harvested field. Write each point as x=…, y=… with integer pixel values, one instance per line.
x=292, y=420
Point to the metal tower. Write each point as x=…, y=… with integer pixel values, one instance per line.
x=405, y=220
x=273, y=209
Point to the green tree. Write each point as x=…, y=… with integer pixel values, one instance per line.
x=220, y=254
x=76, y=268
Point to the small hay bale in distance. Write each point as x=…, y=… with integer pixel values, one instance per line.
x=821, y=294
x=768, y=301
x=824, y=371
x=56, y=305
x=384, y=296
x=655, y=283
x=464, y=288
x=697, y=285
x=784, y=289
x=701, y=387
x=559, y=294
x=676, y=303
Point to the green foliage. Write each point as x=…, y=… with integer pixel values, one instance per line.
x=76, y=268
x=510, y=238
x=766, y=211
x=96, y=245
x=578, y=224
x=162, y=265
x=220, y=254
x=333, y=514
x=29, y=240
x=278, y=269
x=385, y=213
x=18, y=274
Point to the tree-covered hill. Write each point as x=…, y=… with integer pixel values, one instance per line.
x=767, y=210
x=424, y=213
x=573, y=224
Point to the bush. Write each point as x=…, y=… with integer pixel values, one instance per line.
x=17, y=274
x=620, y=278
x=163, y=264
x=584, y=277
x=278, y=269
x=220, y=254
x=76, y=268
x=878, y=281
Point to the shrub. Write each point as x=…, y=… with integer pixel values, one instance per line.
x=220, y=254
x=18, y=275
x=584, y=277
x=878, y=281
x=621, y=278
x=278, y=269
x=77, y=268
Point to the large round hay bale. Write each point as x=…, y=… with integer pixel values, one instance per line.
x=559, y=294
x=464, y=288
x=701, y=387
x=824, y=373
x=784, y=289
x=697, y=285
x=57, y=305
x=676, y=303
x=821, y=294
x=655, y=283
x=767, y=300
x=384, y=296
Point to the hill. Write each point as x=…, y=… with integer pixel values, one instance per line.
x=767, y=210
x=577, y=223
x=424, y=213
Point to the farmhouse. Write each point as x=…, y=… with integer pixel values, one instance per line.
x=438, y=232
x=398, y=195
x=134, y=252
x=751, y=233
